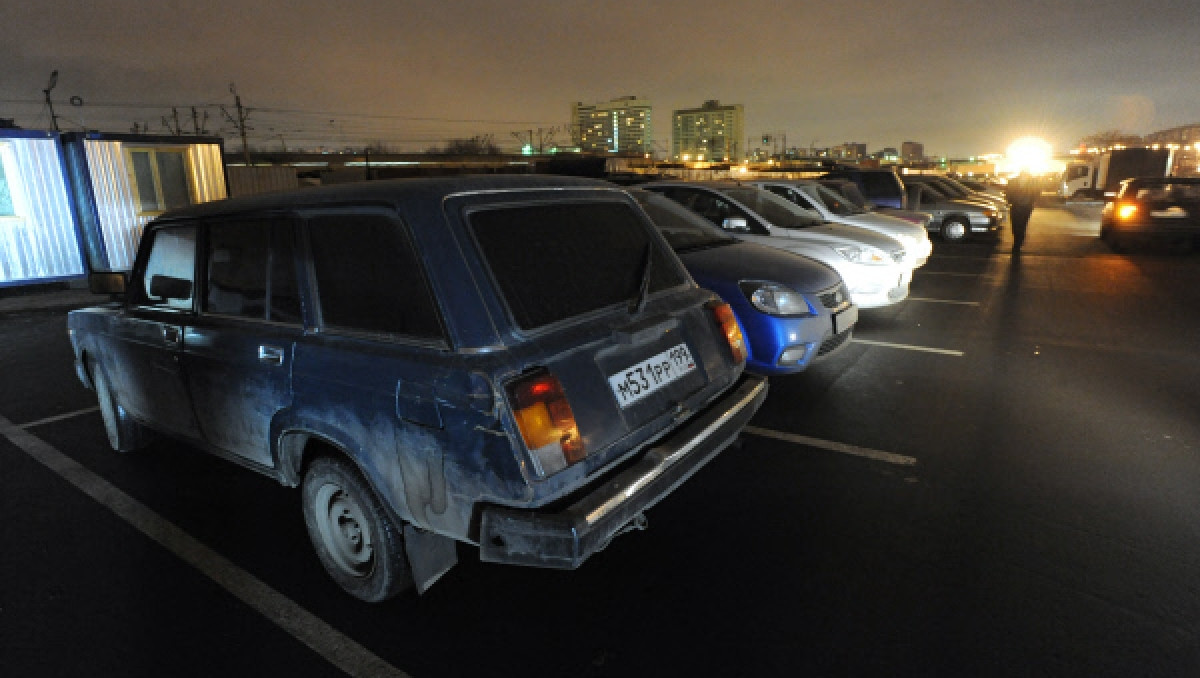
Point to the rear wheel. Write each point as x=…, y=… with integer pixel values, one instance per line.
x=955, y=229
x=359, y=545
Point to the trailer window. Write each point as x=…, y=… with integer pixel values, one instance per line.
x=159, y=179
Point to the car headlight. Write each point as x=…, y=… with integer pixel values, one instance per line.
x=864, y=254
x=776, y=299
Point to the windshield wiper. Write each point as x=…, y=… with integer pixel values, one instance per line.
x=639, y=302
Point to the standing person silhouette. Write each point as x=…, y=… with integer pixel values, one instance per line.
x=1022, y=192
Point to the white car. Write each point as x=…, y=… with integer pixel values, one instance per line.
x=875, y=267
x=826, y=204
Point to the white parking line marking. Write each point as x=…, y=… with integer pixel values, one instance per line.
x=337, y=648
x=59, y=417
x=944, y=301
x=907, y=347
x=854, y=450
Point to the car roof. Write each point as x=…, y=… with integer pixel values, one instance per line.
x=428, y=190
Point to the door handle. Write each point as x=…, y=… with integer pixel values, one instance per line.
x=272, y=355
x=170, y=334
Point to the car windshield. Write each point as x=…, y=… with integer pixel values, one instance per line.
x=781, y=212
x=684, y=229
x=929, y=194
x=834, y=202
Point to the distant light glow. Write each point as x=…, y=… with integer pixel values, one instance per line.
x=1028, y=154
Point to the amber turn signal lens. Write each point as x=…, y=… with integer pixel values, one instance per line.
x=1126, y=210
x=733, y=332
x=547, y=424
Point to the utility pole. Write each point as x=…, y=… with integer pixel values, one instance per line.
x=239, y=122
x=49, y=103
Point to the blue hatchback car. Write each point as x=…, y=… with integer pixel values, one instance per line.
x=792, y=309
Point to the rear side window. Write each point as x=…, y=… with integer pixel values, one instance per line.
x=882, y=184
x=252, y=271
x=369, y=277
x=556, y=261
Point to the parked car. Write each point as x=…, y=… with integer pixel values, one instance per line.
x=792, y=309
x=988, y=187
x=518, y=363
x=828, y=205
x=953, y=189
x=881, y=186
x=875, y=267
x=954, y=220
x=849, y=190
x=1153, y=209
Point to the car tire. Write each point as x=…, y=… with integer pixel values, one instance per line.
x=360, y=547
x=124, y=434
x=955, y=229
x=1111, y=239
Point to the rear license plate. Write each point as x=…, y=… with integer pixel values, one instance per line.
x=845, y=319
x=640, y=380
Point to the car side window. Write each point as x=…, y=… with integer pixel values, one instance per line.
x=370, y=278
x=169, y=278
x=793, y=195
x=251, y=271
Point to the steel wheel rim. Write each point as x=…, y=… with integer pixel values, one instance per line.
x=344, y=530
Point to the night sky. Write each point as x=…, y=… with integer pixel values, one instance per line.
x=961, y=76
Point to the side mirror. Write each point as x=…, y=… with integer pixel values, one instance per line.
x=736, y=224
x=107, y=283
x=166, y=287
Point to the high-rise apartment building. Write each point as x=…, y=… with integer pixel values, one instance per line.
x=912, y=151
x=619, y=125
x=710, y=133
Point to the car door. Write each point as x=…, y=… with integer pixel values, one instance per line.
x=148, y=340
x=238, y=350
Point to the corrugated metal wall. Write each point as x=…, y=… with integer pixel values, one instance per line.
x=120, y=224
x=41, y=241
x=255, y=180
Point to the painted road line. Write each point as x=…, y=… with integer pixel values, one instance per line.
x=944, y=301
x=907, y=347
x=337, y=648
x=59, y=417
x=854, y=450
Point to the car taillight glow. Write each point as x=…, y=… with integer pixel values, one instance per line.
x=1126, y=210
x=546, y=421
x=733, y=332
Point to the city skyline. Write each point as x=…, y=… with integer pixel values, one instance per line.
x=962, y=79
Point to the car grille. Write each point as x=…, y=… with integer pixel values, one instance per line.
x=835, y=297
x=832, y=343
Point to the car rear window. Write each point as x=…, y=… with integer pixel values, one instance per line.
x=882, y=183
x=560, y=260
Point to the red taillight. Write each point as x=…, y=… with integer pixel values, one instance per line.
x=547, y=424
x=733, y=332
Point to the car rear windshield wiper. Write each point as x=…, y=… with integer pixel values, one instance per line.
x=639, y=302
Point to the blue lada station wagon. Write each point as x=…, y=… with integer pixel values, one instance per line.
x=519, y=363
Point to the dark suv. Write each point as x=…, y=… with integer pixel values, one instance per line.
x=881, y=186
x=518, y=363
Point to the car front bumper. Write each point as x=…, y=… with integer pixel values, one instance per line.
x=564, y=538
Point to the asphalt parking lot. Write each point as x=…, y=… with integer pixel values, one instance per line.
x=996, y=477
